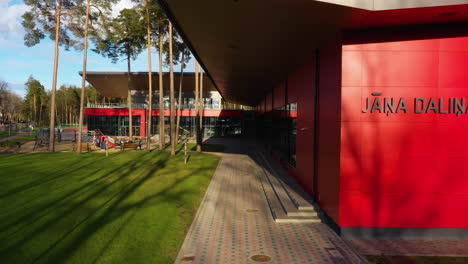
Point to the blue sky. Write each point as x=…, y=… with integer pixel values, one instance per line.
x=18, y=62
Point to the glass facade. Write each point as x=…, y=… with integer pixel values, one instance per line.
x=187, y=103
x=113, y=125
x=212, y=126
x=278, y=129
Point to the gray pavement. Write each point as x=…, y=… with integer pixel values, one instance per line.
x=234, y=223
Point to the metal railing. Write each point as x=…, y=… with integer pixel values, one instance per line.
x=222, y=106
x=14, y=128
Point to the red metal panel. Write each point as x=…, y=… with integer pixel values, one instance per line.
x=268, y=102
x=352, y=69
x=329, y=129
x=142, y=112
x=351, y=103
x=295, y=85
x=143, y=117
x=404, y=169
x=401, y=139
x=303, y=82
x=404, y=210
x=279, y=94
x=107, y=111
x=453, y=67
x=454, y=44
x=400, y=46
x=395, y=68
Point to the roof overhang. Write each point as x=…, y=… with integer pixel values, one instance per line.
x=116, y=84
x=247, y=47
x=380, y=5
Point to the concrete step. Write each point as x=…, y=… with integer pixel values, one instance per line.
x=300, y=198
x=282, y=207
x=302, y=213
x=298, y=219
x=296, y=194
x=274, y=204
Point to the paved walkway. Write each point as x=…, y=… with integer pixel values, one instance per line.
x=412, y=247
x=234, y=223
x=15, y=136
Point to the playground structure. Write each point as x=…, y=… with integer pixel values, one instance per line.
x=66, y=140
x=62, y=136
x=91, y=140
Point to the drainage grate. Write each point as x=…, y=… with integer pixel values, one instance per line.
x=188, y=258
x=260, y=258
x=251, y=210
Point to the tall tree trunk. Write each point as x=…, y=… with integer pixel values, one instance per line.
x=171, y=87
x=35, y=111
x=40, y=115
x=54, y=81
x=197, y=106
x=83, y=80
x=179, y=111
x=150, y=81
x=201, y=105
x=162, y=140
x=129, y=98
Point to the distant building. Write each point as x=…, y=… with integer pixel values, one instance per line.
x=220, y=118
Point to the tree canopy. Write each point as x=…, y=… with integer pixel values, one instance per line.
x=10, y=104
x=125, y=37
x=40, y=21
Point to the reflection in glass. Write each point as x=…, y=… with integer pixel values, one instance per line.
x=278, y=129
x=113, y=125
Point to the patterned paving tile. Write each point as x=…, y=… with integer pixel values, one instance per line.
x=412, y=247
x=223, y=231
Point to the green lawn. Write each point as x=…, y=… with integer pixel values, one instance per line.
x=130, y=207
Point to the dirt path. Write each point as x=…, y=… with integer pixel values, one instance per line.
x=15, y=136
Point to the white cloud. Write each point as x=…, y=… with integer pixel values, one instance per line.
x=17, y=88
x=10, y=20
x=119, y=6
x=12, y=10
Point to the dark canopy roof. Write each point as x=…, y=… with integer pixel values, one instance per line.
x=247, y=46
x=115, y=84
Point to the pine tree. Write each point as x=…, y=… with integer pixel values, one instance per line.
x=184, y=58
x=45, y=18
x=34, y=100
x=125, y=38
x=101, y=10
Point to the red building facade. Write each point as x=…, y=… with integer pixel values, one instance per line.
x=385, y=122
x=381, y=94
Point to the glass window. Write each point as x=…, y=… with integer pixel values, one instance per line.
x=113, y=125
x=278, y=129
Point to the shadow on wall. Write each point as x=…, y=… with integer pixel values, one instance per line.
x=403, y=170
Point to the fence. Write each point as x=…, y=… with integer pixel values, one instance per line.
x=14, y=128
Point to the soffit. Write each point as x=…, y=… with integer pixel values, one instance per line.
x=115, y=84
x=247, y=47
